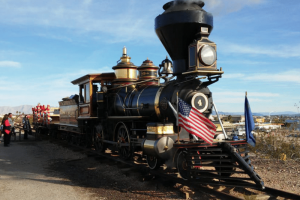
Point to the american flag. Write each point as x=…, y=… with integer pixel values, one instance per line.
x=195, y=122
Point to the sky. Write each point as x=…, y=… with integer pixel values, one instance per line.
x=44, y=45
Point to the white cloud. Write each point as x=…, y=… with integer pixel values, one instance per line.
x=238, y=101
x=4, y=54
x=243, y=62
x=291, y=76
x=288, y=76
x=281, y=51
x=54, y=36
x=236, y=76
x=10, y=64
x=82, y=17
x=47, y=89
x=122, y=21
x=221, y=7
x=242, y=94
x=225, y=99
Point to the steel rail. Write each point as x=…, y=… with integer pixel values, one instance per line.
x=190, y=183
x=142, y=167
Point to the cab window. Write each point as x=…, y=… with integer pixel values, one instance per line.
x=87, y=92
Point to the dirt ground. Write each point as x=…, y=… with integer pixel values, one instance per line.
x=42, y=170
x=282, y=175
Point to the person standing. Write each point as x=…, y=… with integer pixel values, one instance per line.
x=11, y=122
x=1, y=130
x=6, y=130
x=26, y=127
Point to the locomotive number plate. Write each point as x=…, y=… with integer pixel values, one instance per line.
x=200, y=102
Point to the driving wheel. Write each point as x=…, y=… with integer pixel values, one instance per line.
x=153, y=162
x=98, y=139
x=182, y=165
x=123, y=140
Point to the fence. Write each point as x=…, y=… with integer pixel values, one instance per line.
x=18, y=133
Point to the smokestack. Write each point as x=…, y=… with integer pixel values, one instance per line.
x=179, y=26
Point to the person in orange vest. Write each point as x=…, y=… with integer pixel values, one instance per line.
x=6, y=130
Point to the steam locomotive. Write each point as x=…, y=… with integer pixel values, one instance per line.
x=127, y=112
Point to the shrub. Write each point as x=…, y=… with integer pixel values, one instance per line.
x=279, y=144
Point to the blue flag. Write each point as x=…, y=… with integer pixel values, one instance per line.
x=249, y=123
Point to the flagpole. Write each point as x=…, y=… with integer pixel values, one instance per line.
x=177, y=122
x=223, y=130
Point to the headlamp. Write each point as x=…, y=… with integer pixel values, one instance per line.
x=207, y=55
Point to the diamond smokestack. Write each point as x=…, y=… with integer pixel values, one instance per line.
x=179, y=26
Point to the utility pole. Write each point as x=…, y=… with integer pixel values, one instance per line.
x=270, y=116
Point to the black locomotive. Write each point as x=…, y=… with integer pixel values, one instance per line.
x=127, y=112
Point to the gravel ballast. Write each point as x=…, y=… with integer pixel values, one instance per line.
x=43, y=170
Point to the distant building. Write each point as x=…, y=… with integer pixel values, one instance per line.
x=291, y=121
x=226, y=125
x=237, y=118
x=259, y=119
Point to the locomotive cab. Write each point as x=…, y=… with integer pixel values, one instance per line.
x=90, y=86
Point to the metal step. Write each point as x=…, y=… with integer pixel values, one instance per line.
x=208, y=155
x=205, y=150
x=211, y=160
x=244, y=165
x=217, y=171
x=222, y=177
x=214, y=165
x=227, y=157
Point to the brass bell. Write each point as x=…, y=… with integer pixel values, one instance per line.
x=166, y=66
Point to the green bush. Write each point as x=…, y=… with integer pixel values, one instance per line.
x=278, y=144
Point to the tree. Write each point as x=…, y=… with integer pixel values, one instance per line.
x=229, y=118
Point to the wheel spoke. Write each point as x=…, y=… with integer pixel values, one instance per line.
x=124, y=138
x=98, y=139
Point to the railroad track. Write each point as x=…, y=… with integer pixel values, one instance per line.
x=170, y=175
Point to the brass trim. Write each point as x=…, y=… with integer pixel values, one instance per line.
x=161, y=130
x=132, y=73
x=145, y=69
x=126, y=73
x=156, y=101
x=127, y=117
x=121, y=73
x=204, y=73
x=125, y=59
